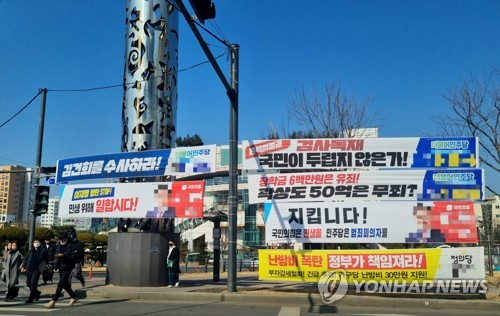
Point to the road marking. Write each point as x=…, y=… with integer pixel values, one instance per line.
x=24, y=309
x=289, y=311
x=385, y=314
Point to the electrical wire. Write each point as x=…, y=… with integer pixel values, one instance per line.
x=132, y=83
x=22, y=109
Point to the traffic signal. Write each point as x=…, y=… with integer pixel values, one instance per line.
x=204, y=9
x=41, y=199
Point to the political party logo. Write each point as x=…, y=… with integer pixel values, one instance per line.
x=332, y=286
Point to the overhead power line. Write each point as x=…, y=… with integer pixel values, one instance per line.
x=131, y=83
x=22, y=109
x=101, y=87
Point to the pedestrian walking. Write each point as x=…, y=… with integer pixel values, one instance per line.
x=6, y=251
x=50, y=246
x=11, y=271
x=34, y=264
x=65, y=255
x=173, y=264
x=80, y=254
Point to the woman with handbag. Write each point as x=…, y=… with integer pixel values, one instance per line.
x=173, y=269
x=34, y=264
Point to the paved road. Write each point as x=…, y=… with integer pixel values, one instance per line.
x=155, y=308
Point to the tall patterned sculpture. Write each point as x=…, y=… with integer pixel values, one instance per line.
x=150, y=78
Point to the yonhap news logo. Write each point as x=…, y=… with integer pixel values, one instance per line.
x=332, y=286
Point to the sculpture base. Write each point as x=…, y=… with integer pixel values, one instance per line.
x=138, y=259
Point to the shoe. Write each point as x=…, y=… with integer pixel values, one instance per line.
x=72, y=302
x=37, y=296
x=29, y=301
x=50, y=305
x=83, y=283
x=177, y=284
x=169, y=286
x=7, y=299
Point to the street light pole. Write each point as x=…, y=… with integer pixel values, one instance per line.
x=232, y=92
x=38, y=163
x=233, y=169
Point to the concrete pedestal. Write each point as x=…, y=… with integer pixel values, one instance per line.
x=138, y=259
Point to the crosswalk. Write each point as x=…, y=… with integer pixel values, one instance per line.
x=19, y=308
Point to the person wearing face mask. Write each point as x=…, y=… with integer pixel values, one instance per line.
x=11, y=275
x=51, y=248
x=65, y=262
x=34, y=264
x=173, y=264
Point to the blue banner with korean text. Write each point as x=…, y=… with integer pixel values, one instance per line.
x=151, y=163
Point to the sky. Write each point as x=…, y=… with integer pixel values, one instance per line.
x=404, y=54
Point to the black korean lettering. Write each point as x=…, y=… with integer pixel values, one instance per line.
x=313, y=215
x=395, y=190
x=328, y=191
x=345, y=190
x=265, y=193
x=266, y=160
x=344, y=159
x=315, y=191
x=350, y=215
x=360, y=191
x=331, y=218
x=411, y=189
x=378, y=159
x=380, y=190
x=293, y=217
x=295, y=160
x=313, y=159
x=282, y=193
x=298, y=192
x=327, y=160
x=280, y=160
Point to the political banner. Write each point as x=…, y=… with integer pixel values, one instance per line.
x=390, y=185
x=449, y=152
x=149, y=163
x=380, y=264
x=371, y=222
x=183, y=199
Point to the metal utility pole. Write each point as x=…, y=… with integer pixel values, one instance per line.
x=233, y=169
x=36, y=179
x=232, y=92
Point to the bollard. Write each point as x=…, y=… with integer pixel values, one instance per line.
x=241, y=264
x=90, y=274
x=186, y=270
x=206, y=265
x=197, y=267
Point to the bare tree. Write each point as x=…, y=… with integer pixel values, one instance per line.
x=476, y=111
x=330, y=112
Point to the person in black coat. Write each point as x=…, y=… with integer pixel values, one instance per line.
x=34, y=264
x=80, y=256
x=173, y=269
x=65, y=262
x=49, y=272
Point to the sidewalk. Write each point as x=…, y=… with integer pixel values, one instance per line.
x=200, y=287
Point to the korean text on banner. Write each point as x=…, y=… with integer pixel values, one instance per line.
x=381, y=264
x=451, y=152
x=389, y=185
x=183, y=199
x=371, y=222
x=150, y=163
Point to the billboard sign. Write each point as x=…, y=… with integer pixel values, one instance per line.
x=150, y=163
x=390, y=185
x=382, y=264
x=371, y=222
x=449, y=152
x=183, y=199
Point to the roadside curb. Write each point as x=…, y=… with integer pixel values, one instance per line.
x=297, y=299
